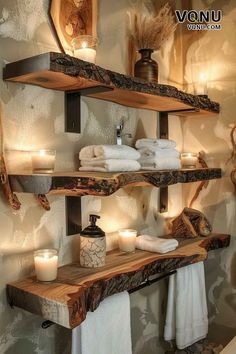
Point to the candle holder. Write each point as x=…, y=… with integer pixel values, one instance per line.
x=127, y=240
x=46, y=264
x=84, y=48
x=189, y=159
x=43, y=161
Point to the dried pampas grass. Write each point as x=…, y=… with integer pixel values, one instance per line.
x=151, y=31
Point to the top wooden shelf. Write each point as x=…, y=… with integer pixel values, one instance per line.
x=62, y=72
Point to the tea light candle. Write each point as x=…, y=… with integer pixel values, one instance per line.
x=46, y=263
x=127, y=240
x=87, y=54
x=189, y=159
x=84, y=47
x=43, y=161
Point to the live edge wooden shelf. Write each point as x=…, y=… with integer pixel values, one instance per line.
x=62, y=72
x=77, y=290
x=103, y=184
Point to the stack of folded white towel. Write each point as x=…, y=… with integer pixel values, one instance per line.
x=155, y=244
x=158, y=154
x=109, y=158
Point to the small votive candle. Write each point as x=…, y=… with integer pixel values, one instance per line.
x=84, y=48
x=127, y=240
x=189, y=159
x=46, y=264
x=43, y=161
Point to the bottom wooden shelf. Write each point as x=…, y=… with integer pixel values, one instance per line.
x=77, y=290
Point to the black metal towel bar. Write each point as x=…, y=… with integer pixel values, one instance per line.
x=146, y=283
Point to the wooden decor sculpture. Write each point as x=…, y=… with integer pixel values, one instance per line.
x=191, y=223
x=6, y=187
x=203, y=184
x=233, y=156
x=71, y=18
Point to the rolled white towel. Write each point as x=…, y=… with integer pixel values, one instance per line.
x=110, y=165
x=154, y=163
x=155, y=244
x=161, y=143
x=158, y=152
x=109, y=152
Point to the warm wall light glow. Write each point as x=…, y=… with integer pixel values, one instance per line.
x=84, y=45
x=43, y=161
x=42, y=152
x=203, y=77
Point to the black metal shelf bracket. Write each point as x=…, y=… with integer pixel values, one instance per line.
x=73, y=106
x=73, y=125
x=164, y=134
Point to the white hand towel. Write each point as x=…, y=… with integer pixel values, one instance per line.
x=186, y=318
x=155, y=244
x=106, y=330
x=109, y=152
x=153, y=151
x=161, y=143
x=110, y=165
x=154, y=163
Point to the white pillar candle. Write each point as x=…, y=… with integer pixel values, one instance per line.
x=127, y=240
x=87, y=54
x=43, y=161
x=189, y=160
x=46, y=264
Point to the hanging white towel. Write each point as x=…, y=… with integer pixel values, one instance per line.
x=108, y=152
x=110, y=165
x=106, y=330
x=153, y=151
x=154, y=163
x=186, y=318
x=155, y=244
x=161, y=143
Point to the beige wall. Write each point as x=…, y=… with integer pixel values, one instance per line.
x=216, y=51
x=34, y=119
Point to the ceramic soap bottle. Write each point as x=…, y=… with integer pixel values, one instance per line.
x=92, y=245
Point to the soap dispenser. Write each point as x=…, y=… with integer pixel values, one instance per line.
x=92, y=245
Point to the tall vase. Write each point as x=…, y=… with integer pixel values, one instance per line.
x=146, y=68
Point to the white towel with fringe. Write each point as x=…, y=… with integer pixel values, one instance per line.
x=107, y=330
x=155, y=244
x=187, y=318
x=161, y=143
x=98, y=152
x=110, y=165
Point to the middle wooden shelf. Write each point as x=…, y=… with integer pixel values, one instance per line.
x=104, y=184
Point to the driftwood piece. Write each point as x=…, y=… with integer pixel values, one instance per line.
x=203, y=184
x=63, y=72
x=77, y=290
x=4, y=180
x=6, y=187
x=233, y=156
x=191, y=223
x=43, y=201
x=102, y=184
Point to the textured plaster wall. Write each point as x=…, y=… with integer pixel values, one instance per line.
x=33, y=118
x=216, y=51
